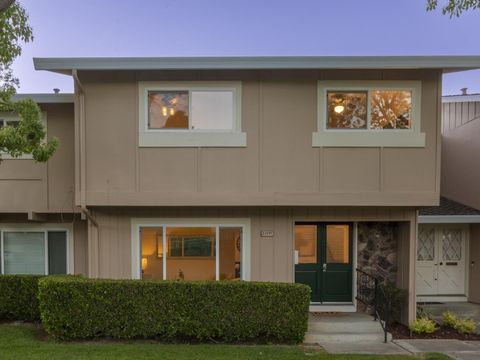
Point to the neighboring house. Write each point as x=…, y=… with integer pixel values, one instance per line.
x=448, y=259
x=267, y=169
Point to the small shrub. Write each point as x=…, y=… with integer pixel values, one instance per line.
x=199, y=310
x=19, y=297
x=449, y=319
x=393, y=296
x=465, y=326
x=423, y=325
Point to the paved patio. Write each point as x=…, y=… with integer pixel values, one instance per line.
x=461, y=309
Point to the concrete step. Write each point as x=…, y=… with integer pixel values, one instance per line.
x=368, y=326
x=314, y=338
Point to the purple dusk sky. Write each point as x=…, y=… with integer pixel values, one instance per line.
x=244, y=28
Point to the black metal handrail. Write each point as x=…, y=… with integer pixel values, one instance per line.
x=369, y=292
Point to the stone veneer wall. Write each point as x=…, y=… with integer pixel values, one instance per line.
x=377, y=249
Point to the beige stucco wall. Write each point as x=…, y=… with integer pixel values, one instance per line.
x=460, y=149
x=474, y=266
x=29, y=186
x=279, y=166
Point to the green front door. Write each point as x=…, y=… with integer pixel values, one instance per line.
x=323, y=260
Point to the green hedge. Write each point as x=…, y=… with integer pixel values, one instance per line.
x=171, y=310
x=18, y=297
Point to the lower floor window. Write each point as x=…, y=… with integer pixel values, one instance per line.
x=33, y=252
x=191, y=252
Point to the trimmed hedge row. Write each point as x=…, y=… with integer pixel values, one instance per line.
x=19, y=297
x=124, y=309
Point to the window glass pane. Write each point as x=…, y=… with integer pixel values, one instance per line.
x=306, y=243
x=57, y=252
x=212, y=110
x=151, y=239
x=338, y=244
x=191, y=253
x=24, y=252
x=347, y=109
x=168, y=109
x=391, y=109
x=230, y=253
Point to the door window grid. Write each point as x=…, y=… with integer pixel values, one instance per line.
x=426, y=245
x=452, y=245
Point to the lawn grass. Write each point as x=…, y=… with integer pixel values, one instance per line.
x=27, y=342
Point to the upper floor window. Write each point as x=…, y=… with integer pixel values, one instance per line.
x=369, y=113
x=193, y=114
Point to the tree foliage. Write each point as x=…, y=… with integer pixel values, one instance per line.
x=454, y=7
x=29, y=136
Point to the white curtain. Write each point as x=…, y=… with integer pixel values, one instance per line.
x=24, y=252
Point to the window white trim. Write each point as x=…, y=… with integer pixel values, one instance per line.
x=15, y=117
x=45, y=228
x=187, y=137
x=368, y=137
x=217, y=223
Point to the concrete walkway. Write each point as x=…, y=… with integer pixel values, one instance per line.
x=457, y=349
x=349, y=333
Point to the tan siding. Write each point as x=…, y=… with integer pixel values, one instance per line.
x=474, y=268
x=460, y=170
x=279, y=166
x=80, y=247
x=29, y=186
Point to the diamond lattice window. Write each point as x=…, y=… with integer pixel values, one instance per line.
x=426, y=245
x=452, y=244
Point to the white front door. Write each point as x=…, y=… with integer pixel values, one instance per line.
x=441, y=254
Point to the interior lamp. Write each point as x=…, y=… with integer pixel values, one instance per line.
x=339, y=109
x=144, y=263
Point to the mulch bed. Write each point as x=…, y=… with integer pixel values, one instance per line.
x=400, y=331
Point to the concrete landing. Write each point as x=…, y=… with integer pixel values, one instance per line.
x=461, y=309
x=457, y=349
x=343, y=327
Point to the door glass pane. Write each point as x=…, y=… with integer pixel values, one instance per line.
x=426, y=244
x=451, y=244
x=306, y=243
x=191, y=253
x=338, y=244
x=212, y=110
x=57, y=252
x=151, y=239
x=24, y=252
x=230, y=253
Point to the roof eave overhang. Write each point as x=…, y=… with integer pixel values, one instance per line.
x=449, y=219
x=444, y=63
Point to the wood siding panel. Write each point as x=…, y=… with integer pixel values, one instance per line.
x=279, y=166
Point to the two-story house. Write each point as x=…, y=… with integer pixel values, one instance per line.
x=295, y=169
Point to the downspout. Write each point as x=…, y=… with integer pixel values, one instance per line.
x=92, y=232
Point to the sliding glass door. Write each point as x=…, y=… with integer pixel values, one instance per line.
x=191, y=252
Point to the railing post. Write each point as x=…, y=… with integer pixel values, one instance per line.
x=375, y=299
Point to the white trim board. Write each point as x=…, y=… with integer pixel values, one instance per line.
x=440, y=298
x=448, y=219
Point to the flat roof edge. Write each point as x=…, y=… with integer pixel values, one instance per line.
x=285, y=62
x=45, y=98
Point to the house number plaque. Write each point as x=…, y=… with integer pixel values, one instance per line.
x=266, y=233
